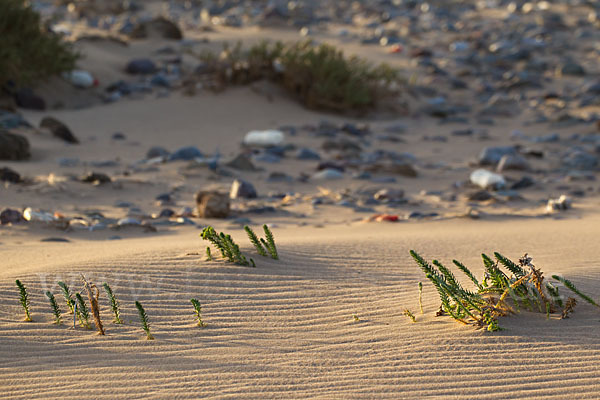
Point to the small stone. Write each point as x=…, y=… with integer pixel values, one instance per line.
x=492, y=155
x=55, y=240
x=10, y=216
x=27, y=99
x=9, y=175
x=96, y=178
x=572, y=68
x=328, y=174
x=578, y=159
x=157, y=151
x=129, y=222
x=512, y=162
x=13, y=147
x=188, y=153
x=560, y=204
x=141, y=66
x=118, y=136
x=487, y=180
x=523, y=183
x=242, y=163
x=389, y=195
x=242, y=189
x=307, y=154
x=479, y=195
x=266, y=138
x=58, y=129
x=159, y=27
x=166, y=213
x=211, y=204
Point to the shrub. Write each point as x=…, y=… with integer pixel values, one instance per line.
x=29, y=53
x=320, y=76
x=524, y=285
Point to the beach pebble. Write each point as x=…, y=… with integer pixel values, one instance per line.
x=141, y=66
x=80, y=78
x=242, y=163
x=96, y=178
x=560, y=204
x=395, y=168
x=305, y=153
x=10, y=216
x=242, y=189
x=581, y=160
x=58, y=129
x=512, y=162
x=27, y=99
x=487, y=180
x=13, y=147
x=9, y=175
x=187, y=153
x=159, y=27
x=492, y=155
x=212, y=204
x=523, y=183
x=266, y=138
x=328, y=174
x=389, y=195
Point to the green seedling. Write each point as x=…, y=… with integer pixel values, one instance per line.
x=226, y=245
x=54, y=306
x=421, y=297
x=255, y=241
x=114, y=304
x=571, y=286
x=82, y=312
x=144, y=320
x=24, y=297
x=68, y=296
x=208, y=254
x=409, y=315
x=198, y=310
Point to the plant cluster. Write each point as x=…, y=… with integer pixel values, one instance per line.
x=263, y=245
x=499, y=293
x=29, y=52
x=320, y=76
x=226, y=245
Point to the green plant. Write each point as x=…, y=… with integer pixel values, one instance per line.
x=409, y=315
x=68, y=297
x=499, y=294
x=29, y=52
x=320, y=76
x=208, y=254
x=24, y=297
x=82, y=312
x=254, y=239
x=198, y=310
x=356, y=318
x=54, y=306
x=270, y=243
x=144, y=320
x=114, y=303
x=225, y=244
x=574, y=289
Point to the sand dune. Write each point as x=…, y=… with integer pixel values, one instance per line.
x=286, y=328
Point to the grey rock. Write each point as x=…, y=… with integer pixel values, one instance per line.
x=9, y=175
x=479, y=195
x=523, y=183
x=389, y=195
x=242, y=163
x=27, y=99
x=307, y=154
x=10, y=216
x=141, y=66
x=492, y=155
x=395, y=168
x=59, y=130
x=212, y=204
x=578, y=159
x=572, y=68
x=501, y=105
x=512, y=162
x=13, y=147
x=187, y=153
x=328, y=174
x=96, y=178
x=159, y=27
x=242, y=189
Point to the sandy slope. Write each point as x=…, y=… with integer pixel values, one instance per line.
x=285, y=329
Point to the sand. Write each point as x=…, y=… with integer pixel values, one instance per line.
x=285, y=329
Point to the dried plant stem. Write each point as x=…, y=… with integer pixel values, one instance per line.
x=93, y=298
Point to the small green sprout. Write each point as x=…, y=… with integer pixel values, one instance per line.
x=82, y=312
x=409, y=315
x=68, y=296
x=114, y=304
x=144, y=320
x=198, y=310
x=54, y=306
x=24, y=300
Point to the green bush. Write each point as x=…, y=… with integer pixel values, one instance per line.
x=320, y=76
x=29, y=53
